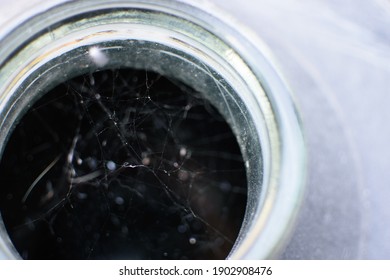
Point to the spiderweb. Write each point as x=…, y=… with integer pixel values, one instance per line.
x=122, y=164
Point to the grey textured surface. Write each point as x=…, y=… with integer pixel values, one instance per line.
x=336, y=58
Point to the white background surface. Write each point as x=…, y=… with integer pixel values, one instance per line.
x=335, y=56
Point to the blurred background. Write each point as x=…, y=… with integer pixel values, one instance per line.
x=335, y=56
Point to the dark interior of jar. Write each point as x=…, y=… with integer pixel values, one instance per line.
x=122, y=164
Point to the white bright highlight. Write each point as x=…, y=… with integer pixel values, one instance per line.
x=97, y=56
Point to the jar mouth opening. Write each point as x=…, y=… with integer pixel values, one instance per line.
x=176, y=43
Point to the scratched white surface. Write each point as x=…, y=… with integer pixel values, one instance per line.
x=335, y=56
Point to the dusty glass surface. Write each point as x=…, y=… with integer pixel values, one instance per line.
x=182, y=43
